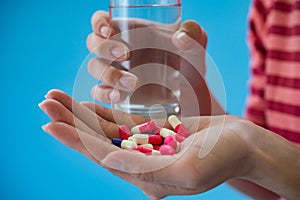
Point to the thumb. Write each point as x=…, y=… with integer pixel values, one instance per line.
x=189, y=32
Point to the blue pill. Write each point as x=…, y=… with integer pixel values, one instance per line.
x=117, y=141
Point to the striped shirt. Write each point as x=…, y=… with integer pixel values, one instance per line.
x=274, y=40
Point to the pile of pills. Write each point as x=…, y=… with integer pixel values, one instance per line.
x=150, y=139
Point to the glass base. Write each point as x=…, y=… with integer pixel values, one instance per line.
x=156, y=111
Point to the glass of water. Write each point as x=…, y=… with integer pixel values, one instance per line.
x=146, y=27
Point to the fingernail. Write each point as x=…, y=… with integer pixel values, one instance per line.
x=183, y=38
x=46, y=95
x=114, y=96
x=44, y=127
x=113, y=163
x=119, y=52
x=41, y=106
x=105, y=31
x=128, y=82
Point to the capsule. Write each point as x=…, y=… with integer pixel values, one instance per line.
x=171, y=141
x=167, y=150
x=156, y=147
x=150, y=146
x=157, y=129
x=164, y=132
x=148, y=127
x=179, y=138
x=146, y=150
x=124, y=144
x=124, y=132
x=178, y=126
x=147, y=139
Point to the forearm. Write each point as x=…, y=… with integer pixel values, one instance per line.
x=276, y=163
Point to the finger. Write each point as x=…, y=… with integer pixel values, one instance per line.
x=108, y=49
x=95, y=122
x=190, y=31
x=107, y=94
x=94, y=148
x=58, y=112
x=115, y=115
x=153, y=169
x=154, y=190
x=102, y=70
x=100, y=24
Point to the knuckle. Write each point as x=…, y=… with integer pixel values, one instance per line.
x=111, y=76
x=92, y=63
x=100, y=94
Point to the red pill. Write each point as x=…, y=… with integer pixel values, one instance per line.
x=156, y=147
x=124, y=132
x=147, y=139
x=146, y=150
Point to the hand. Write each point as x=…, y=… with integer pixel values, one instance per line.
x=88, y=128
x=116, y=81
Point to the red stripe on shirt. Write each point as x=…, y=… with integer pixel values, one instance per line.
x=284, y=6
x=284, y=82
x=253, y=111
x=284, y=108
x=284, y=31
x=261, y=9
x=257, y=92
x=257, y=43
x=282, y=55
x=258, y=70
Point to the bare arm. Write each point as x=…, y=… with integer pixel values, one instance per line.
x=277, y=164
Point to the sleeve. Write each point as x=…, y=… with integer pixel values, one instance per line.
x=255, y=108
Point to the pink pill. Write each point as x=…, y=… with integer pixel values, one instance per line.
x=167, y=150
x=124, y=132
x=171, y=141
x=144, y=128
x=181, y=130
x=146, y=150
x=178, y=126
x=179, y=138
x=157, y=130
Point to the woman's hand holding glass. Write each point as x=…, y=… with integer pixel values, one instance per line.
x=116, y=81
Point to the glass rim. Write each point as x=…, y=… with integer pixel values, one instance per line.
x=143, y=3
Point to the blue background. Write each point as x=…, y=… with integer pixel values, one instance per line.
x=42, y=47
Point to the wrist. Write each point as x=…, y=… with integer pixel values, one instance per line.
x=243, y=130
x=274, y=162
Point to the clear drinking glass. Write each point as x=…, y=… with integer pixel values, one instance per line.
x=144, y=25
